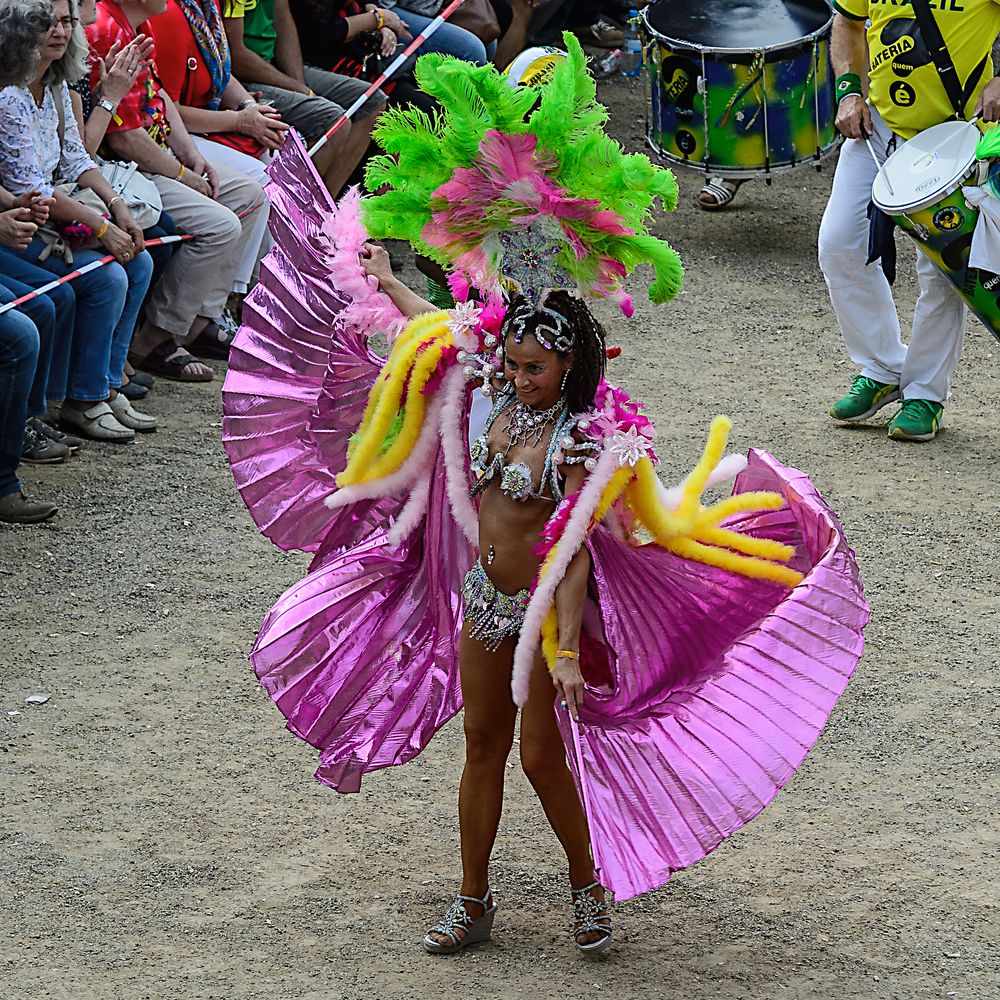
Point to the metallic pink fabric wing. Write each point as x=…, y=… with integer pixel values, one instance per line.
x=298, y=378
x=721, y=685
x=362, y=655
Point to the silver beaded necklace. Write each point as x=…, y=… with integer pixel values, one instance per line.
x=526, y=426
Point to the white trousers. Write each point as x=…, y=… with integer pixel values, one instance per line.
x=259, y=241
x=862, y=298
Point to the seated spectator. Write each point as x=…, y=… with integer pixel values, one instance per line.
x=449, y=39
x=514, y=20
x=226, y=123
x=53, y=314
x=216, y=203
x=19, y=348
x=267, y=57
x=117, y=75
x=41, y=149
x=22, y=28
x=345, y=37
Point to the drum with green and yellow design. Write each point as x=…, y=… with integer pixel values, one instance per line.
x=740, y=90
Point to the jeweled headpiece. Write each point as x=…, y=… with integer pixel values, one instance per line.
x=551, y=329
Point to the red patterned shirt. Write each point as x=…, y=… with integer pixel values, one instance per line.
x=142, y=106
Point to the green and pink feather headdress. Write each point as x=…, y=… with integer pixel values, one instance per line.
x=501, y=169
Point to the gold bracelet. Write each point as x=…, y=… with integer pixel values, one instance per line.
x=180, y=173
x=99, y=235
x=114, y=201
x=569, y=654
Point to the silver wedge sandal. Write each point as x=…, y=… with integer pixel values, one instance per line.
x=457, y=920
x=590, y=916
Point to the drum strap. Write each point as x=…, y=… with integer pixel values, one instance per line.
x=931, y=33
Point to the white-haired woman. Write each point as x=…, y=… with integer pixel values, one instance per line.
x=41, y=149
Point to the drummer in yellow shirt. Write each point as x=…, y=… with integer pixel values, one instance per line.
x=881, y=40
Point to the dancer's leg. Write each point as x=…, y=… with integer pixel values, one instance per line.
x=543, y=758
x=489, y=735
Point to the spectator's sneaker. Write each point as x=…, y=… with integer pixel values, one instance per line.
x=39, y=450
x=917, y=420
x=53, y=434
x=127, y=417
x=864, y=399
x=98, y=421
x=601, y=33
x=16, y=508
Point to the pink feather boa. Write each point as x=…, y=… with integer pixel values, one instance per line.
x=370, y=310
x=455, y=461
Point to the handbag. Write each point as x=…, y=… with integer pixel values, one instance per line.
x=479, y=17
x=139, y=193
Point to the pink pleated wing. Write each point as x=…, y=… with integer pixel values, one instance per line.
x=721, y=685
x=298, y=376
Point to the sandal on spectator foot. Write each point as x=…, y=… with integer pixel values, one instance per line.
x=214, y=342
x=169, y=360
x=460, y=927
x=590, y=916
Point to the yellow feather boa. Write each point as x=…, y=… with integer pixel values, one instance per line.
x=415, y=357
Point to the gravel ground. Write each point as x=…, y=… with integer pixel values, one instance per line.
x=162, y=836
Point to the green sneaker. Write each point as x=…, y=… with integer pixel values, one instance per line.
x=864, y=399
x=917, y=420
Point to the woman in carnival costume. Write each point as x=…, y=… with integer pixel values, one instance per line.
x=674, y=662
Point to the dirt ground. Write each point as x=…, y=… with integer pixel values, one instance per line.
x=161, y=835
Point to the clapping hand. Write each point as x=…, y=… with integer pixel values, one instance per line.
x=36, y=204
x=119, y=70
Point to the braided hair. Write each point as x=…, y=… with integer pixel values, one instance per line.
x=588, y=343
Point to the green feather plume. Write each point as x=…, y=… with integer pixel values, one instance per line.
x=424, y=151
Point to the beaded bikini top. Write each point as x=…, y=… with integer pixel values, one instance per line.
x=516, y=480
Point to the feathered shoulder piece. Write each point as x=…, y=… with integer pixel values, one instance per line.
x=623, y=491
x=368, y=310
x=505, y=180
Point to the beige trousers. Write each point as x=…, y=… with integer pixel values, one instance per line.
x=200, y=275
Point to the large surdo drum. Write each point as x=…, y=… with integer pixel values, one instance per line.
x=740, y=88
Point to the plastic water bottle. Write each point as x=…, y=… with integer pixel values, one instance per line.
x=608, y=66
x=632, y=52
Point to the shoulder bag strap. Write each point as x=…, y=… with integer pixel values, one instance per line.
x=931, y=33
x=60, y=111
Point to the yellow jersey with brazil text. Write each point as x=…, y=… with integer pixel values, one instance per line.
x=904, y=82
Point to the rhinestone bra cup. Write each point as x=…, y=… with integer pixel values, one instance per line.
x=527, y=426
x=523, y=426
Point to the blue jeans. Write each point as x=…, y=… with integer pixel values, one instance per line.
x=19, y=343
x=161, y=255
x=108, y=302
x=449, y=39
x=53, y=315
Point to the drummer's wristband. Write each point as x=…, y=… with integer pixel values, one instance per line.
x=848, y=84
